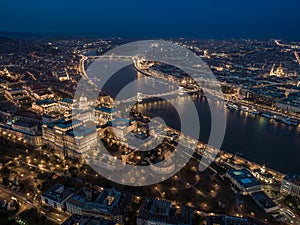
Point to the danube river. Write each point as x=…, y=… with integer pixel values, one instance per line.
x=266, y=142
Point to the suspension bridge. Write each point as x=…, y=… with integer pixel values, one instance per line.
x=141, y=96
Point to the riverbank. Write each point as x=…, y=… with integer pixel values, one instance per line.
x=290, y=118
x=241, y=147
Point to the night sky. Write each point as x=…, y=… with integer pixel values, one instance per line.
x=261, y=19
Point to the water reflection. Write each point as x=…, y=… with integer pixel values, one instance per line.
x=266, y=141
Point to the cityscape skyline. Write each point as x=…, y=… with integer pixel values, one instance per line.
x=149, y=112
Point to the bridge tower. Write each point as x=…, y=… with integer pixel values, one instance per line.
x=286, y=93
x=180, y=91
x=139, y=97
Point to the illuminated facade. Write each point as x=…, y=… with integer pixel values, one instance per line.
x=70, y=138
x=290, y=185
x=109, y=204
x=22, y=131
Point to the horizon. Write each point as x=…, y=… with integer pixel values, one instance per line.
x=58, y=35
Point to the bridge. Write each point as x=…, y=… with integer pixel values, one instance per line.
x=110, y=57
x=140, y=96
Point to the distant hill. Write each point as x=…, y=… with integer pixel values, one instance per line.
x=47, y=36
x=19, y=35
x=5, y=39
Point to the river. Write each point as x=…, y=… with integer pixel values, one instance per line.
x=258, y=139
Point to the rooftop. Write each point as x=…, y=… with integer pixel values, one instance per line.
x=106, y=109
x=120, y=122
x=163, y=211
x=244, y=178
x=24, y=124
x=87, y=220
x=109, y=201
x=67, y=100
x=63, y=123
x=45, y=102
x=229, y=220
x=81, y=131
x=263, y=200
x=58, y=193
x=294, y=178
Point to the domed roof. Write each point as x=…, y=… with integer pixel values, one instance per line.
x=83, y=98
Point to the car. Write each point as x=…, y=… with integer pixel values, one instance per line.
x=290, y=213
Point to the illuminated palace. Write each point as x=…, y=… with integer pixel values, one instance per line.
x=62, y=136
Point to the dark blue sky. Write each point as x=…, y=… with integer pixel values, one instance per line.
x=155, y=18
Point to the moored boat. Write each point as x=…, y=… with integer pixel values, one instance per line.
x=244, y=108
x=253, y=111
x=232, y=106
x=267, y=115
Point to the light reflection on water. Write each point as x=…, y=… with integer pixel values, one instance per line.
x=262, y=140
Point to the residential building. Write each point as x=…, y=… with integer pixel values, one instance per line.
x=56, y=196
x=290, y=185
x=163, y=212
x=230, y=220
x=87, y=220
x=109, y=204
x=22, y=131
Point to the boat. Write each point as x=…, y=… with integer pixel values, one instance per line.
x=278, y=118
x=294, y=122
x=232, y=106
x=286, y=121
x=253, y=111
x=267, y=115
x=244, y=108
x=291, y=121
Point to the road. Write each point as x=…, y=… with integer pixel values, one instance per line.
x=26, y=203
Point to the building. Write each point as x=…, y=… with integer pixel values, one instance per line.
x=289, y=106
x=162, y=212
x=66, y=103
x=25, y=127
x=109, y=204
x=42, y=94
x=290, y=185
x=263, y=175
x=264, y=202
x=104, y=114
x=56, y=196
x=87, y=220
x=70, y=138
x=166, y=166
x=230, y=220
x=279, y=72
x=16, y=95
x=84, y=115
x=45, y=106
x=22, y=131
x=122, y=127
x=244, y=180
